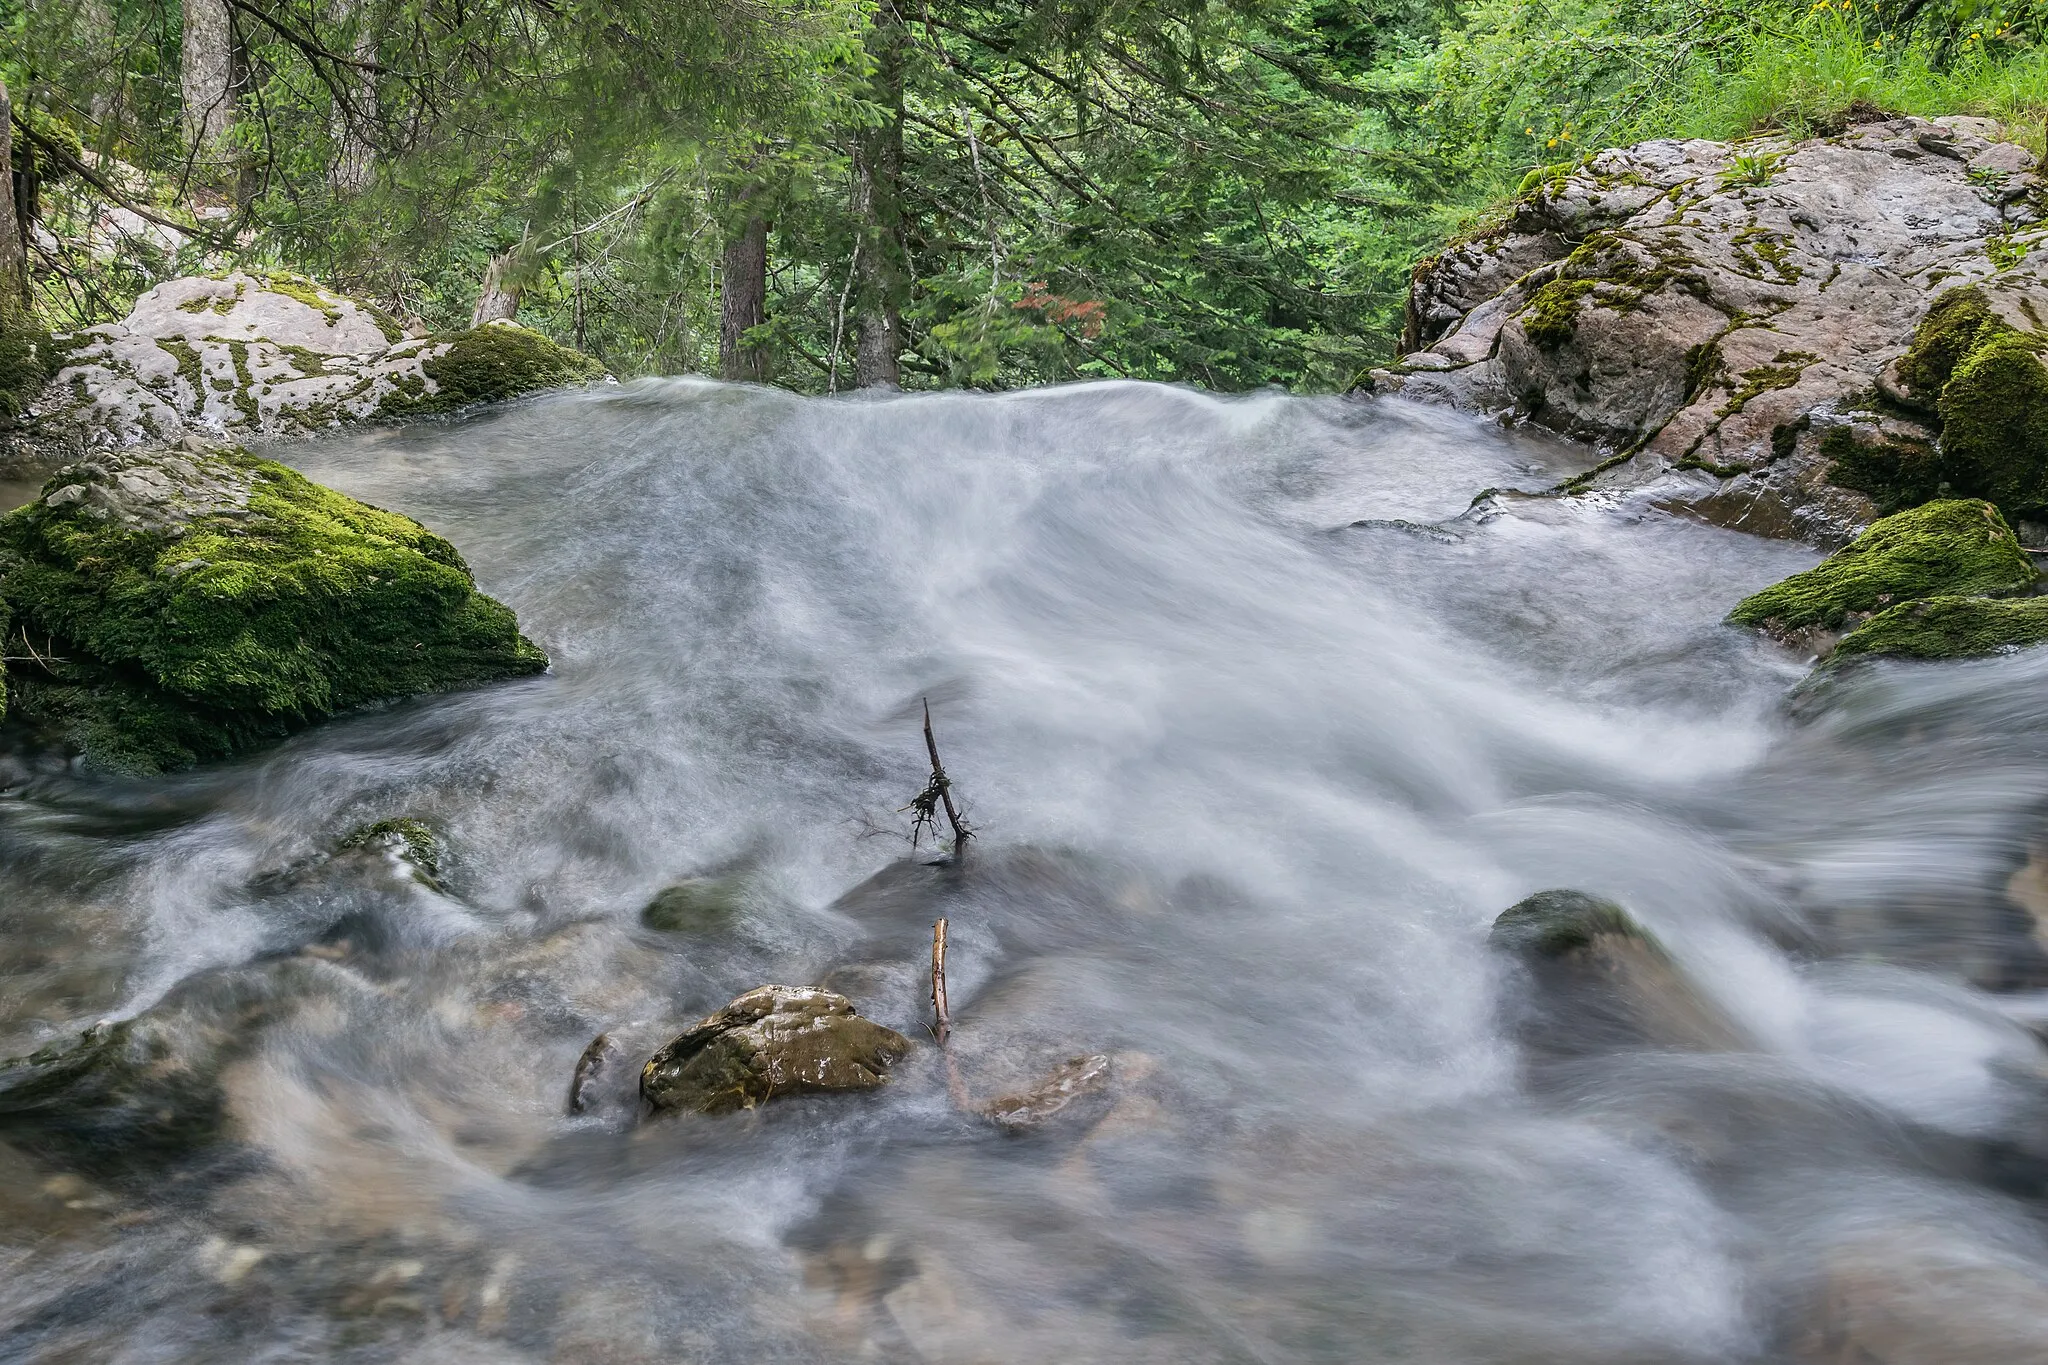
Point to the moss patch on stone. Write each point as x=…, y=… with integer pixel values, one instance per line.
x=199, y=605
x=1949, y=628
x=1952, y=329
x=1958, y=547
x=698, y=905
x=412, y=839
x=28, y=361
x=490, y=364
x=1895, y=474
x=1994, y=423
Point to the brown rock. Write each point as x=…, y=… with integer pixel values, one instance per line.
x=774, y=1040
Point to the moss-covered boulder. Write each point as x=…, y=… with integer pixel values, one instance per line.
x=772, y=1041
x=1948, y=628
x=1954, y=548
x=1601, y=981
x=489, y=364
x=188, y=606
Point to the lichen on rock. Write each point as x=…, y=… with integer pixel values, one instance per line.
x=248, y=354
x=772, y=1041
x=1957, y=547
x=192, y=605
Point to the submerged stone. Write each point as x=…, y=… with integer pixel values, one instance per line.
x=695, y=905
x=772, y=1041
x=412, y=841
x=1603, y=982
x=1958, y=547
x=192, y=605
x=1949, y=628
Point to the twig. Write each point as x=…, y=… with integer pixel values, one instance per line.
x=944, y=786
x=943, y=1029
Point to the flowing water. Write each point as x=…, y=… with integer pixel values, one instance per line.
x=1259, y=733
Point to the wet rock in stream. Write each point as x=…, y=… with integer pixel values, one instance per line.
x=772, y=1041
x=1602, y=981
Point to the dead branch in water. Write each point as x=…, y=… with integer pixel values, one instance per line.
x=937, y=795
x=943, y=1028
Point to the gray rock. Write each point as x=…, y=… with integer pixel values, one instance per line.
x=1717, y=307
x=245, y=355
x=772, y=1041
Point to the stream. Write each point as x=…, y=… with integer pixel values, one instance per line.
x=1259, y=731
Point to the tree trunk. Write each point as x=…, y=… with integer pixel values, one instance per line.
x=877, y=210
x=355, y=156
x=499, y=301
x=743, y=300
x=206, y=74
x=13, y=249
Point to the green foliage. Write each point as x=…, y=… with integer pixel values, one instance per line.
x=1948, y=628
x=1959, y=547
x=274, y=603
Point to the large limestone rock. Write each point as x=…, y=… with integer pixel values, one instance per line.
x=177, y=606
x=1737, y=315
x=774, y=1040
x=246, y=355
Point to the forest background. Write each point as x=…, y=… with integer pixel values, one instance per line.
x=830, y=193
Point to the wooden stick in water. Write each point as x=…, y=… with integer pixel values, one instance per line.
x=943, y=1029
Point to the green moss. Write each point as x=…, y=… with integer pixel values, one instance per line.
x=1949, y=628
x=1953, y=548
x=1553, y=923
x=1994, y=423
x=194, y=638
x=306, y=292
x=1894, y=473
x=187, y=357
x=28, y=361
x=1782, y=373
x=489, y=364
x=1553, y=314
x=414, y=839
x=1945, y=337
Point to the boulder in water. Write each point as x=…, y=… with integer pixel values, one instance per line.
x=1948, y=628
x=772, y=1041
x=1603, y=982
x=193, y=604
x=246, y=354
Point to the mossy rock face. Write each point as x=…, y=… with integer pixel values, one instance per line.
x=698, y=905
x=772, y=1041
x=490, y=364
x=1949, y=628
x=1959, y=547
x=1956, y=325
x=196, y=605
x=28, y=360
x=1994, y=424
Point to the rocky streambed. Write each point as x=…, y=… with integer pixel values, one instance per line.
x=1550, y=926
